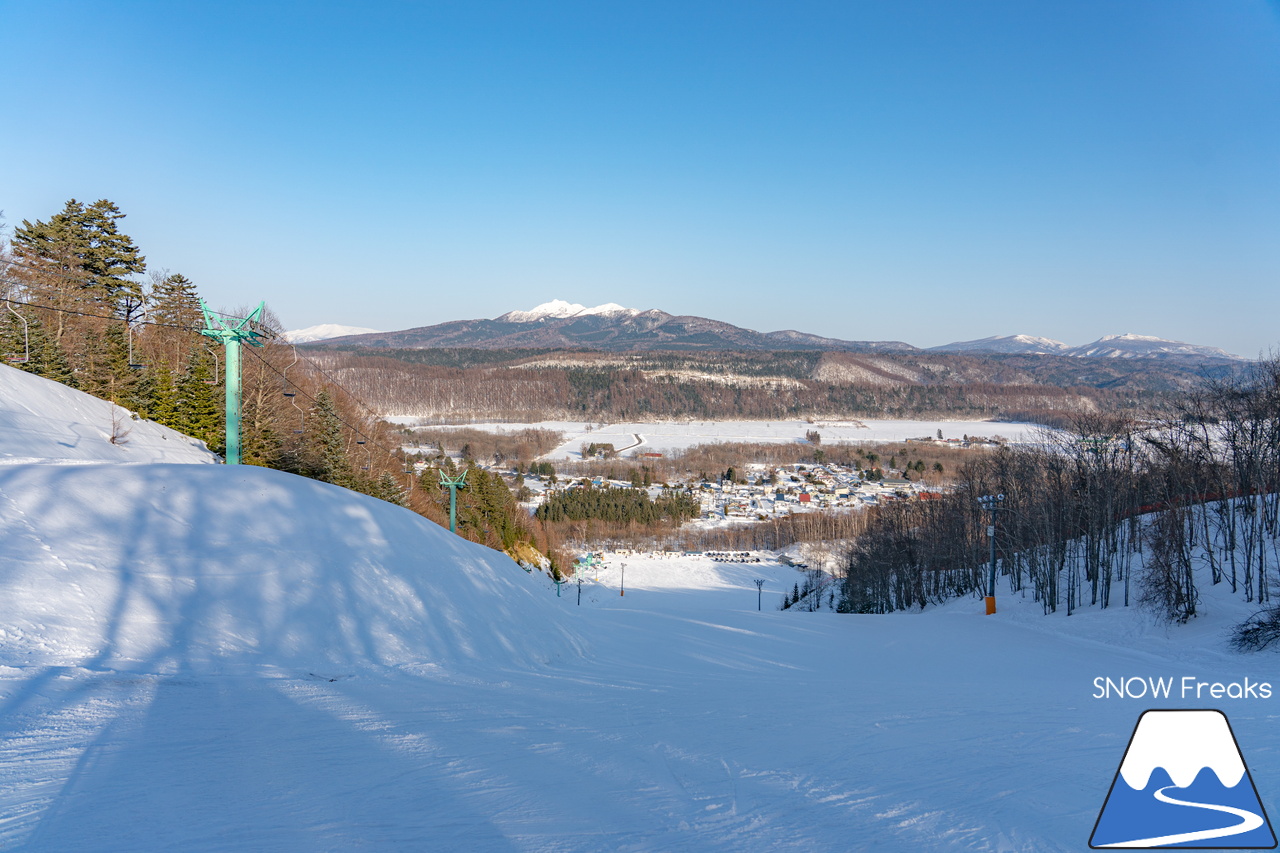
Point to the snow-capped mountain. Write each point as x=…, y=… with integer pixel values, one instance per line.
x=324, y=332
x=1108, y=346
x=1016, y=344
x=559, y=309
x=1145, y=346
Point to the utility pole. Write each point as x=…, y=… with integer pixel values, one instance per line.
x=759, y=592
x=453, y=484
x=991, y=503
x=232, y=336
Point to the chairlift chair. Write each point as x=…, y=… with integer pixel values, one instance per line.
x=128, y=327
x=214, y=380
x=13, y=357
x=284, y=375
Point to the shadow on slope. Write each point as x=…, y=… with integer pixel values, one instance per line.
x=173, y=568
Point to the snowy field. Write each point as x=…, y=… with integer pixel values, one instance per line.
x=667, y=437
x=204, y=658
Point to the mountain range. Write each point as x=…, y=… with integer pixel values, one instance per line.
x=615, y=328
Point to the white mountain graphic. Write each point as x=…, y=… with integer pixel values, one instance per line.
x=1183, y=783
x=1183, y=743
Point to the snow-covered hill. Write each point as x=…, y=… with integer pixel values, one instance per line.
x=43, y=421
x=324, y=332
x=170, y=568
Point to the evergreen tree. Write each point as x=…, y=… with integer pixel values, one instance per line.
x=86, y=244
x=174, y=302
x=162, y=402
x=30, y=341
x=105, y=370
x=387, y=488
x=324, y=433
x=200, y=412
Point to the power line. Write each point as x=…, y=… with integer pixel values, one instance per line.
x=358, y=432
x=40, y=307
x=77, y=279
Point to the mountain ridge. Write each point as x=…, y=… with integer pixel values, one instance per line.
x=611, y=327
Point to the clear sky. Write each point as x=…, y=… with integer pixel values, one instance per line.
x=908, y=170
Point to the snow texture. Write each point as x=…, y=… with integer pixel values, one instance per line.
x=42, y=421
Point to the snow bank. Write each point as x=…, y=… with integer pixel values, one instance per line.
x=44, y=421
x=170, y=568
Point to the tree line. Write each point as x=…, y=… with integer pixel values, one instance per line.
x=543, y=389
x=1108, y=512
x=619, y=506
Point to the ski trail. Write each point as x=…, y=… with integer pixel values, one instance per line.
x=1249, y=821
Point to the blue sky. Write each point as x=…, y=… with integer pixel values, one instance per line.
x=917, y=171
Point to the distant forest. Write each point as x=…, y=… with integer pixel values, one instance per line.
x=458, y=385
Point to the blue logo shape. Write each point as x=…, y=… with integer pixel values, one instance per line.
x=1183, y=783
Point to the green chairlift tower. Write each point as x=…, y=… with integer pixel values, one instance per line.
x=453, y=484
x=232, y=333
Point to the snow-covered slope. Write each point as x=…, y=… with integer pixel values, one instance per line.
x=324, y=332
x=168, y=568
x=44, y=421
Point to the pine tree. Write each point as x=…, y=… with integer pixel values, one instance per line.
x=28, y=340
x=162, y=402
x=200, y=412
x=86, y=244
x=324, y=433
x=174, y=302
x=105, y=370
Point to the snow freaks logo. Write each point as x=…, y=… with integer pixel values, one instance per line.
x=1183, y=783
